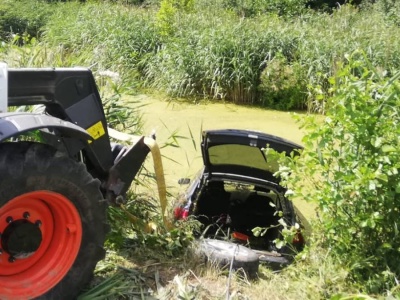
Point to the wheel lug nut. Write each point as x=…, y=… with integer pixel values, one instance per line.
x=26, y=215
x=9, y=219
x=38, y=223
x=11, y=259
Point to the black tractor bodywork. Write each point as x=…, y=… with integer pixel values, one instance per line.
x=73, y=121
x=58, y=172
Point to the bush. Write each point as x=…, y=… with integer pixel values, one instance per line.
x=329, y=5
x=350, y=168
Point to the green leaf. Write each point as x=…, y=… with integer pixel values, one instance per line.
x=388, y=148
x=372, y=185
x=382, y=177
x=256, y=231
x=387, y=246
x=376, y=142
x=371, y=223
x=279, y=244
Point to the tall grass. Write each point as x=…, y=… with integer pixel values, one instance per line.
x=23, y=17
x=212, y=51
x=218, y=55
x=112, y=36
x=328, y=39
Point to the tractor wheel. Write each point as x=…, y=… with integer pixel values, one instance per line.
x=52, y=223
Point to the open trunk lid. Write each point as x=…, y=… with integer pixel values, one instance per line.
x=241, y=152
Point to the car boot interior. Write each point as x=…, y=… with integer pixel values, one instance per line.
x=224, y=209
x=213, y=205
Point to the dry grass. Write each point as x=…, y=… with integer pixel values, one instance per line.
x=314, y=276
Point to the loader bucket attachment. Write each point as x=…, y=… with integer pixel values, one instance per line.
x=129, y=164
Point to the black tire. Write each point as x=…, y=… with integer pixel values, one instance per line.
x=29, y=168
x=222, y=253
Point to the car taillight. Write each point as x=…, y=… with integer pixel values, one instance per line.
x=298, y=239
x=180, y=213
x=185, y=213
x=240, y=236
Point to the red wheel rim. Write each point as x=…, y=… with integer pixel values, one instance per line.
x=59, y=224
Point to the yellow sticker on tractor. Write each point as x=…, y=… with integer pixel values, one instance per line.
x=96, y=131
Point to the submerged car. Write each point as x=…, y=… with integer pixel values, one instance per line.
x=236, y=197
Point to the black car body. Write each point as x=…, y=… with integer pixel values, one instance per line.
x=236, y=192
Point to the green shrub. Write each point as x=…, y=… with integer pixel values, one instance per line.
x=329, y=5
x=168, y=11
x=350, y=169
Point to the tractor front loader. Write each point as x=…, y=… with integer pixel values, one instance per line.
x=58, y=173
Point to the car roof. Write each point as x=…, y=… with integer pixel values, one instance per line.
x=241, y=152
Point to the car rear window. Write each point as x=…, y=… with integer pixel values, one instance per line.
x=240, y=155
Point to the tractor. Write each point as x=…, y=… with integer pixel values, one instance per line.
x=59, y=170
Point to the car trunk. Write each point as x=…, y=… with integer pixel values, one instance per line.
x=234, y=210
x=238, y=197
